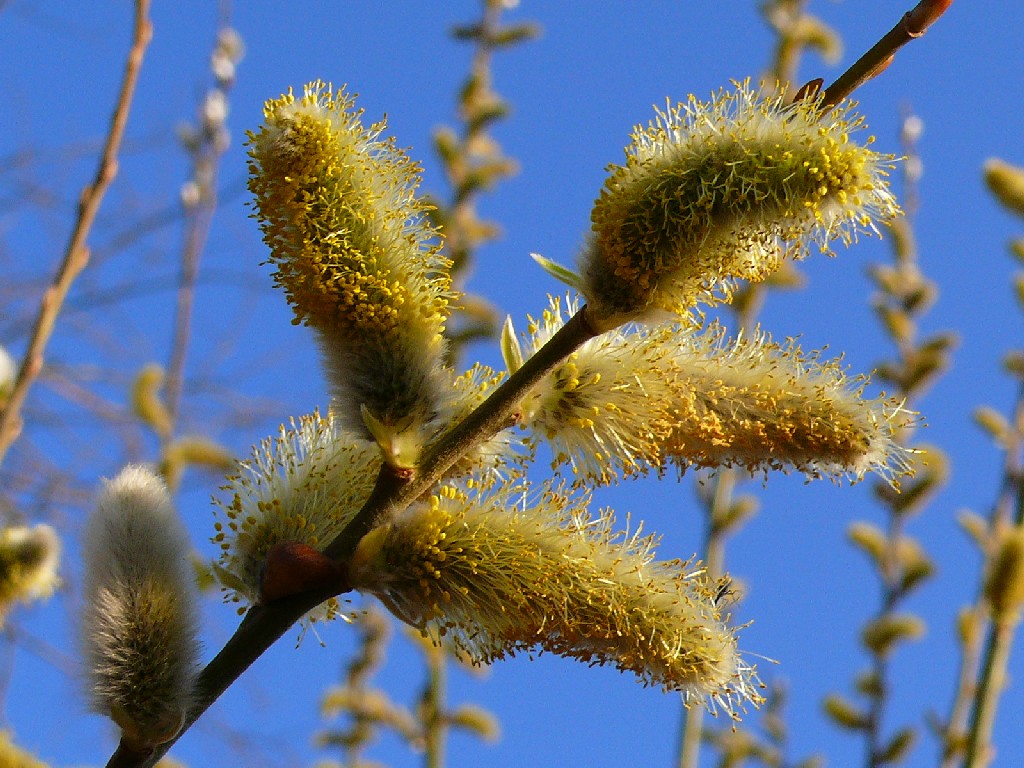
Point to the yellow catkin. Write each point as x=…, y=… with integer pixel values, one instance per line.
x=303, y=486
x=495, y=573
x=358, y=260
x=639, y=399
x=28, y=565
x=715, y=191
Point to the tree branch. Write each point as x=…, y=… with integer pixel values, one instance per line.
x=76, y=255
x=913, y=24
x=393, y=492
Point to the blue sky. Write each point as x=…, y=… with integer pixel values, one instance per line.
x=577, y=92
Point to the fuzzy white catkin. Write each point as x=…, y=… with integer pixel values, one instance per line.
x=139, y=621
x=8, y=370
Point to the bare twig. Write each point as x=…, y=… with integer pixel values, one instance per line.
x=980, y=752
x=913, y=24
x=206, y=148
x=77, y=254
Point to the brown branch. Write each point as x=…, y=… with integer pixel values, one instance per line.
x=265, y=623
x=913, y=24
x=206, y=152
x=77, y=254
x=198, y=229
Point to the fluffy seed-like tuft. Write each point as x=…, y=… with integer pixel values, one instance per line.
x=139, y=623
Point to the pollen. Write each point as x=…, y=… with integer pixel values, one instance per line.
x=649, y=398
x=498, y=570
x=712, y=192
x=359, y=262
x=302, y=486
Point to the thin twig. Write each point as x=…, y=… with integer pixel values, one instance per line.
x=913, y=24
x=198, y=229
x=435, y=716
x=206, y=152
x=979, y=751
x=77, y=254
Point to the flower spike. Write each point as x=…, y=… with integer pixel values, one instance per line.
x=716, y=191
x=358, y=261
x=298, y=490
x=140, y=619
x=629, y=401
x=28, y=565
x=495, y=572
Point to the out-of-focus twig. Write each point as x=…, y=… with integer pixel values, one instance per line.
x=474, y=163
x=899, y=562
x=988, y=627
x=76, y=255
x=205, y=145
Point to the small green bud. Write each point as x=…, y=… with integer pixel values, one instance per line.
x=1004, y=584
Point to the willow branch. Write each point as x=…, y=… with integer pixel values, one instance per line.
x=206, y=155
x=265, y=623
x=76, y=256
x=913, y=24
x=493, y=415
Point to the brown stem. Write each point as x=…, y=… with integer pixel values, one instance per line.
x=264, y=624
x=493, y=415
x=126, y=756
x=198, y=230
x=913, y=24
x=76, y=256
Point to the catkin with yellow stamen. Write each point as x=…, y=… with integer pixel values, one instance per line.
x=1006, y=182
x=496, y=573
x=139, y=623
x=28, y=565
x=715, y=191
x=1004, y=585
x=358, y=261
x=302, y=487
x=626, y=402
